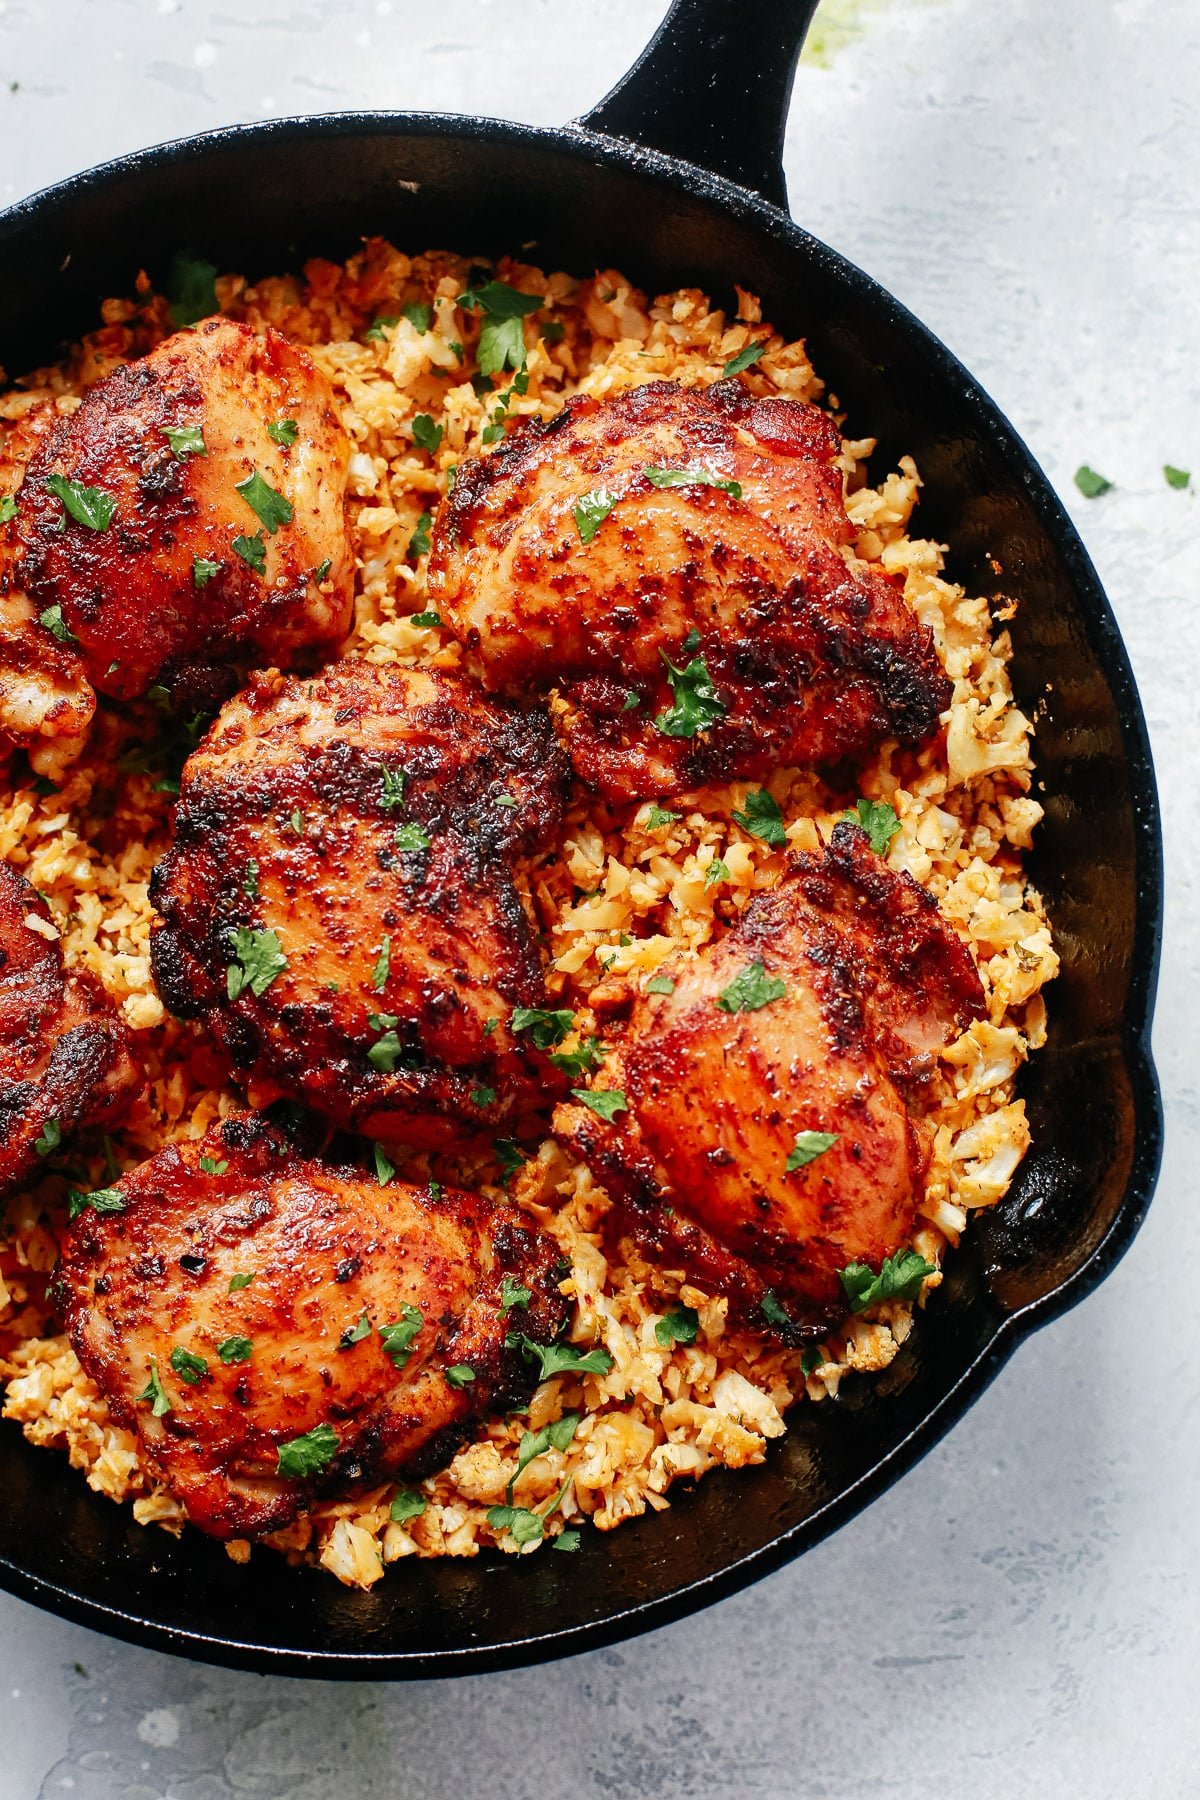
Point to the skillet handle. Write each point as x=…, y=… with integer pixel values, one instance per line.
x=712, y=87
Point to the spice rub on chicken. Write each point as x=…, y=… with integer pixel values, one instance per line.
x=189, y=518
x=65, y=1055
x=761, y=1135
x=273, y=1327
x=338, y=906
x=671, y=561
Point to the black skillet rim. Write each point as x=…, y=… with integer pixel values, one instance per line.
x=1105, y=638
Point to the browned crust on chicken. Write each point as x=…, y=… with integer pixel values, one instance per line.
x=292, y=782
x=814, y=660
x=66, y=1058
x=876, y=982
x=129, y=593
x=327, y=1248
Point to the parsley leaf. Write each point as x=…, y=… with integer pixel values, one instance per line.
x=509, y=1158
x=8, y=508
x=384, y=1168
x=354, y=1334
x=257, y=960
x=53, y=620
x=235, y=1350
x=1090, y=484
x=900, y=1278
x=154, y=1391
x=679, y=1326
x=1176, y=478
x=482, y=1096
x=460, y=1375
x=716, y=871
x=410, y=838
x=321, y=572
x=419, y=315
x=523, y=1526
x=185, y=441
x=750, y=990
x=775, y=1314
x=238, y=1282
x=568, y=1539
x=381, y=324
x=264, y=500
x=50, y=1139
x=383, y=965
x=811, y=1361
x=308, y=1454
x=250, y=879
x=544, y=1028
x=513, y=1293
x=591, y=511
x=744, y=359
x=658, y=816
x=878, y=820
x=252, y=550
x=556, y=1436
x=212, y=1165
x=561, y=1359
x=387, y=1051
x=692, y=477
x=807, y=1147
x=418, y=543
x=606, y=1103
x=695, y=701
x=426, y=619
x=398, y=1336
x=394, y=783
x=283, y=431
x=661, y=984
x=407, y=1504
x=762, y=818
x=426, y=434
x=502, y=335
x=188, y=1367
x=101, y=1200
x=191, y=289
x=89, y=506
x=585, y=1059
x=203, y=570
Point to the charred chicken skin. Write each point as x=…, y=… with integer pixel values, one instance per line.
x=274, y=1328
x=65, y=1056
x=189, y=518
x=338, y=905
x=764, y=1139
x=671, y=561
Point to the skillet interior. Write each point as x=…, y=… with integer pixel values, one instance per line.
x=261, y=199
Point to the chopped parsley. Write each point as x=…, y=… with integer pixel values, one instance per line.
x=419, y=314
x=410, y=838
x=502, y=334
x=89, y=506
x=101, y=1200
x=744, y=359
x=554, y=331
x=692, y=477
x=53, y=620
x=631, y=702
x=264, y=500
x=523, y=1526
x=428, y=620
x=1176, y=478
x=695, y=701
x=250, y=879
x=811, y=1361
x=762, y=818
x=383, y=965
x=583, y=1060
x=204, y=569
x=658, y=816
x=1090, y=484
x=560, y=1359
x=381, y=324
x=509, y=1158
x=252, y=550
x=775, y=1314
x=406, y=1504
x=238, y=1282
x=213, y=1165
x=308, y=1454
x=191, y=289
x=556, y=1436
x=513, y=1293
x=606, y=1103
x=900, y=1277
x=8, y=508
x=185, y=441
x=257, y=960
x=283, y=431
x=426, y=434
x=460, y=1375
x=50, y=1139
x=418, y=543
x=321, y=572
x=189, y=1368
x=354, y=1334
x=878, y=820
x=154, y=1391
x=482, y=1096
x=394, y=783
x=661, y=984
x=387, y=1051
x=679, y=1326
x=235, y=1350
x=591, y=511
x=716, y=871
x=807, y=1147
x=568, y=1539
x=384, y=1168
x=750, y=990
x=544, y=1028
x=490, y=1027
x=398, y=1336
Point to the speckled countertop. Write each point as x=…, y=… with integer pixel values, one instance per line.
x=1019, y=1616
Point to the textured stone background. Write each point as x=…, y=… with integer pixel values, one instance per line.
x=1019, y=1616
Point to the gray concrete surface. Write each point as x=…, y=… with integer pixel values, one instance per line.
x=1019, y=1617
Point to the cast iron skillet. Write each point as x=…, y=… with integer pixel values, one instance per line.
x=675, y=178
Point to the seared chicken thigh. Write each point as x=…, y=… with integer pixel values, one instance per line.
x=762, y=1137
x=65, y=1056
x=272, y=1327
x=671, y=561
x=190, y=517
x=339, y=907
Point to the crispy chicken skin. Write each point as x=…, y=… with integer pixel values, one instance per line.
x=369, y=819
x=159, y=594
x=65, y=1056
x=876, y=982
x=289, y=1353
x=44, y=694
x=810, y=660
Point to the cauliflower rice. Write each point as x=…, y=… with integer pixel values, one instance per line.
x=616, y=896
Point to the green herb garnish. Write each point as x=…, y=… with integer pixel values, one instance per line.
x=426, y=619
x=606, y=1103
x=8, y=508
x=283, y=432
x=878, y=820
x=583, y=1060
x=716, y=871
x=394, y=783
x=427, y=435
x=1090, y=484
x=807, y=1147
x=407, y=1504
x=545, y=1028
x=419, y=315
x=238, y=1282
x=252, y=550
x=213, y=1165
x=418, y=543
x=695, y=701
x=482, y=1096
x=203, y=570
x=264, y=500
x=750, y=990
x=384, y=1168
x=308, y=1454
x=89, y=506
x=560, y=1359
x=354, y=1334
x=762, y=818
x=679, y=1326
x=257, y=960
x=154, y=1391
x=185, y=441
x=744, y=359
x=693, y=477
x=381, y=324
x=188, y=1367
x=101, y=1200
x=460, y=1375
x=191, y=289
x=398, y=1336
x=591, y=511
x=383, y=965
x=513, y=1293
x=658, y=816
x=1176, y=478
x=660, y=984
x=50, y=1139
x=900, y=1277
x=410, y=838
x=235, y=1350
